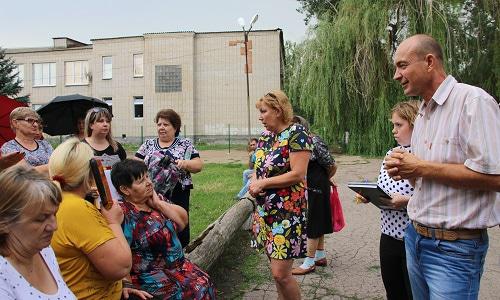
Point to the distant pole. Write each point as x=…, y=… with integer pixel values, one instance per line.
x=248, y=84
x=142, y=134
x=229, y=137
x=241, y=22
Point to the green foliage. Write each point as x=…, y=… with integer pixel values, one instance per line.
x=10, y=85
x=341, y=77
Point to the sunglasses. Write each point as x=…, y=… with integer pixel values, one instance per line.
x=270, y=94
x=99, y=109
x=31, y=121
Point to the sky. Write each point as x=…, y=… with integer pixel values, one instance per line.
x=33, y=23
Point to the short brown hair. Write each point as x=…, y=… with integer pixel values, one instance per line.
x=277, y=100
x=22, y=187
x=22, y=113
x=171, y=116
x=407, y=110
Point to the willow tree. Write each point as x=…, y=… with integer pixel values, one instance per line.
x=341, y=77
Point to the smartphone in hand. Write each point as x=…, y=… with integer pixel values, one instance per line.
x=101, y=183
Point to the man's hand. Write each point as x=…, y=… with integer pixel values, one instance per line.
x=10, y=159
x=402, y=165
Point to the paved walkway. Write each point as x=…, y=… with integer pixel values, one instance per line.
x=353, y=270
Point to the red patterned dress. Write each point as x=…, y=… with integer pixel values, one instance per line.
x=158, y=263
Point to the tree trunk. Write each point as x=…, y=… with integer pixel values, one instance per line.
x=209, y=245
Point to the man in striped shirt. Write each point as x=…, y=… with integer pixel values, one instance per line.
x=455, y=168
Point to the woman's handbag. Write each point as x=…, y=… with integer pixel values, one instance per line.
x=338, y=221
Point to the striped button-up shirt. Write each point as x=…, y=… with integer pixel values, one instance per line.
x=459, y=125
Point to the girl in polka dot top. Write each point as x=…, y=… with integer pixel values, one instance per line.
x=394, y=222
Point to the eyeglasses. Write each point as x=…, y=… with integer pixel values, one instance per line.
x=31, y=121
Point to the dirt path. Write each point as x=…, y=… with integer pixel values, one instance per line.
x=353, y=270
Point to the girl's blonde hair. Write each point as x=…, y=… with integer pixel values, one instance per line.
x=277, y=100
x=95, y=114
x=23, y=187
x=69, y=165
x=406, y=110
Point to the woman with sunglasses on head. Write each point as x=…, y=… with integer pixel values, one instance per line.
x=25, y=123
x=99, y=137
x=279, y=221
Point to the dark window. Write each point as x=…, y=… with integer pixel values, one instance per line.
x=109, y=101
x=168, y=78
x=138, y=107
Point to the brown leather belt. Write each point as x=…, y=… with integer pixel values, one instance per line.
x=446, y=234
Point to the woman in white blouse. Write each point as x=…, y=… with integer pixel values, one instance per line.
x=394, y=222
x=28, y=266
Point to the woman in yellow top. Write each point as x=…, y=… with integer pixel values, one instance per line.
x=92, y=252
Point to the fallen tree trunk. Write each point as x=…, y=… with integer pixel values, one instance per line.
x=210, y=244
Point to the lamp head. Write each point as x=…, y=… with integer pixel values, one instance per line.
x=254, y=19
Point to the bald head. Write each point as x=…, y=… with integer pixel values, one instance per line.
x=422, y=44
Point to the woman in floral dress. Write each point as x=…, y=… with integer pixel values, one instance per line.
x=150, y=226
x=282, y=157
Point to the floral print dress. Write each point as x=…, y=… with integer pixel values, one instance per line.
x=158, y=263
x=280, y=216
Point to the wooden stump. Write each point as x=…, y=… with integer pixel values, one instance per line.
x=209, y=245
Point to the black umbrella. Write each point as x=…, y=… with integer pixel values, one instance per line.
x=60, y=115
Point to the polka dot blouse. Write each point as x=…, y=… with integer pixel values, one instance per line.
x=394, y=222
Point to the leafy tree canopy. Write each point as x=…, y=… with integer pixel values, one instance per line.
x=340, y=78
x=10, y=85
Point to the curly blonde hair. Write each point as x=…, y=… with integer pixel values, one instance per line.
x=277, y=100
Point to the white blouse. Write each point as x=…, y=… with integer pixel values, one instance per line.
x=14, y=286
x=394, y=222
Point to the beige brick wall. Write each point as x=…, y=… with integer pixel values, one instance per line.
x=220, y=95
x=213, y=79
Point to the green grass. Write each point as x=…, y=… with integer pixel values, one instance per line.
x=213, y=193
x=239, y=267
x=225, y=146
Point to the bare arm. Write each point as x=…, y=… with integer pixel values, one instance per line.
x=113, y=258
x=298, y=169
x=194, y=165
x=10, y=159
x=404, y=165
x=174, y=212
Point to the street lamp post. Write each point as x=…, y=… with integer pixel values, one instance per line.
x=241, y=21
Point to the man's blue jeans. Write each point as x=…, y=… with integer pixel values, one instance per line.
x=440, y=269
x=246, y=182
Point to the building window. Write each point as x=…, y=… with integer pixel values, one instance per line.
x=109, y=101
x=19, y=70
x=76, y=72
x=107, y=67
x=138, y=107
x=138, y=65
x=44, y=74
x=168, y=78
